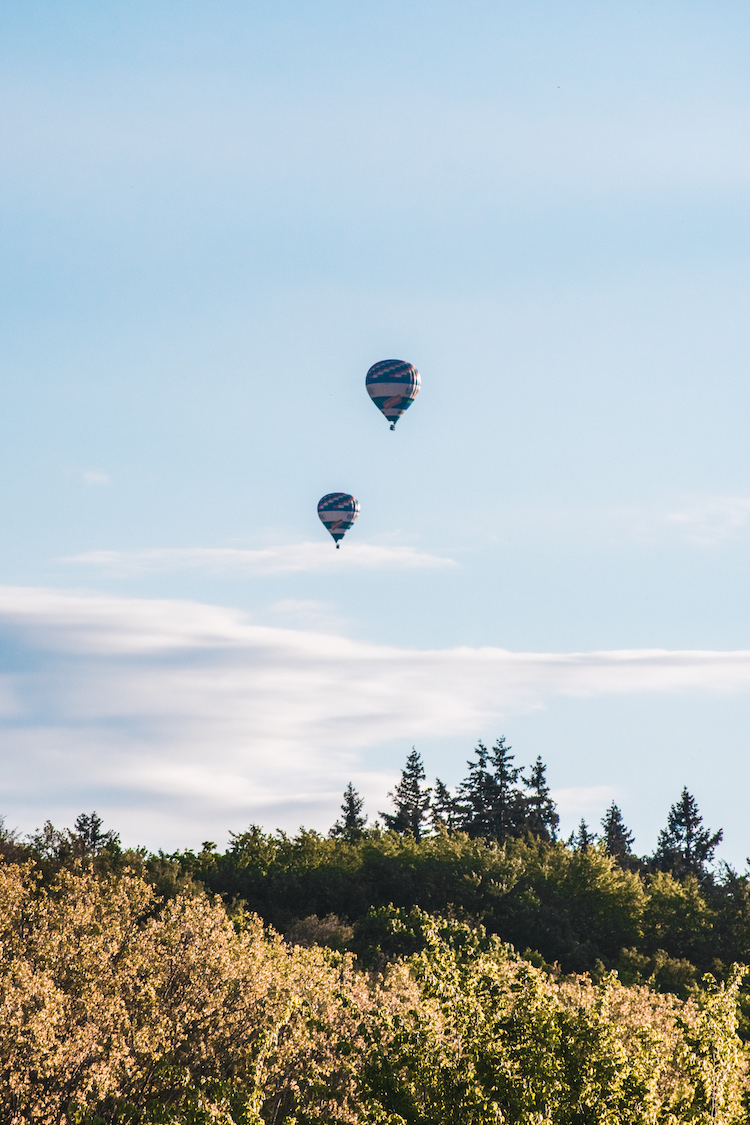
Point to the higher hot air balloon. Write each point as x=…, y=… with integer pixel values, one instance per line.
x=337, y=512
x=393, y=385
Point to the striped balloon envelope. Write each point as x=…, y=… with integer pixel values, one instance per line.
x=393, y=385
x=337, y=512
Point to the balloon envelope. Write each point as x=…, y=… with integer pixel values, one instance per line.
x=337, y=512
x=393, y=384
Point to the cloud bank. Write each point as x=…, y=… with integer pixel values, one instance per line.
x=179, y=717
x=288, y=558
x=713, y=520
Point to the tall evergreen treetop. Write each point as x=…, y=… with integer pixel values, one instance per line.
x=540, y=812
x=583, y=838
x=492, y=803
x=683, y=847
x=89, y=835
x=351, y=824
x=411, y=800
x=508, y=810
x=477, y=795
x=445, y=808
x=618, y=840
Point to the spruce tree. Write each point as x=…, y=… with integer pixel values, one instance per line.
x=492, y=805
x=507, y=816
x=411, y=800
x=539, y=810
x=618, y=840
x=683, y=847
x=351, y=824
x=583, y=838
x=445, y=808
x=477, y=796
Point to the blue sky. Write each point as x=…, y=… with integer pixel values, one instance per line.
x=213, y=220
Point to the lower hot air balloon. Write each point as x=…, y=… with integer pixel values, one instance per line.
x=337, y=512
x=393, y=385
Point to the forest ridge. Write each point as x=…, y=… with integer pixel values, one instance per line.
x=455, y=962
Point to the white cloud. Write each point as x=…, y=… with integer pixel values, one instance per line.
x=285, y=559
x=183, y=717
x=302, y=613
x=714, y=520
x=92, y=477
x=583, y=800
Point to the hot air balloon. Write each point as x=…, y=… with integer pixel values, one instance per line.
x=393, y=385
x=337, y=512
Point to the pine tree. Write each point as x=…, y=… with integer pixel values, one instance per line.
x=445, y=808
x=683, y=847
x=88, y=836
x=582, y=839
x=351, y=824
x=411, y=799
x=507, y=813
x=539, y=810
x=491, y=803
x=477, y=796
x=618, y=840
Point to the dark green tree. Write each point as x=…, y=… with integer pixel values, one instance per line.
x=445, y=808
x=618, y=840
x=477, y=796
x=12, y=849
x=684, y=847
x=351, y=824
x=88, y=837
x=539, y=810
x=583, y=838
x=507, y=816
x=411, y=800
x=54, y=845
x=492, y=805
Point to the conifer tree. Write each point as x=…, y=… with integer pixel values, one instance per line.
x=618, y=840
x=477, y=795
x=445, y=808
x=492, y=804
x=351, y=824
x=411, y=800
x=583, y=838
x=683, y=847
x=539, y=810
x=507, y=812
x=89, y=836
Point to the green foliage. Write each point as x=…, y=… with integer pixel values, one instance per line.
x=495, y=1040
x=491, y=801
x=116, y=1009
x=539, y=812
x=617, y=839
x=445, y=808
x=351, y=824
x=575, y=906
x=580, y=907
x=713, y=1053
x=582, y=838
x=684, y=847
x=678, y=918
x=411, y=800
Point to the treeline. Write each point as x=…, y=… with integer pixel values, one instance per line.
x=453, y=961
x=117, y=1008
x=490, y=804
x=486, y=854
